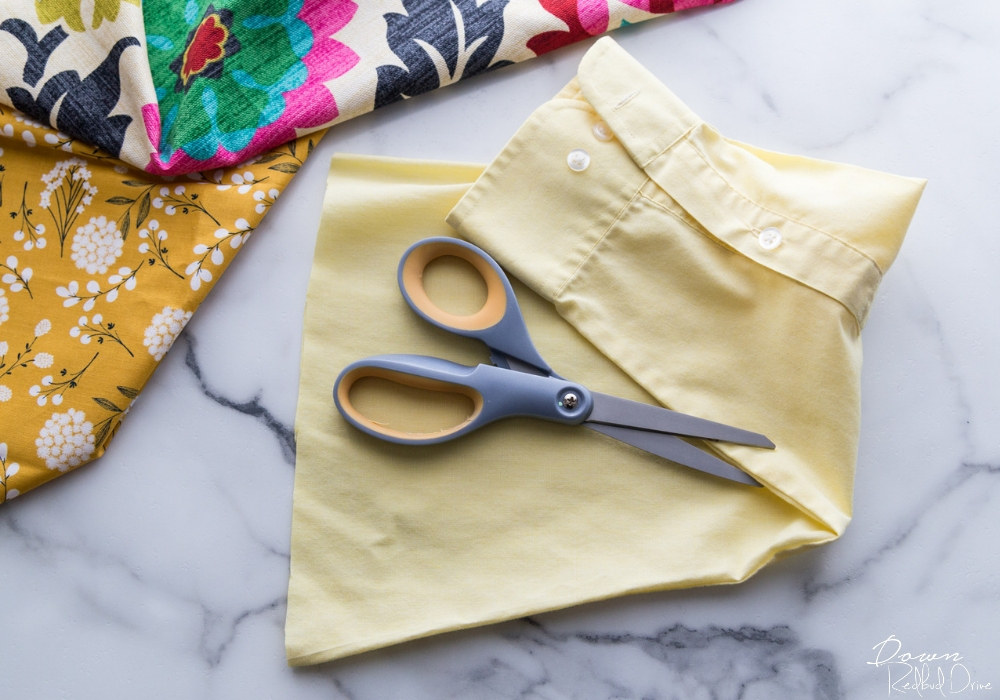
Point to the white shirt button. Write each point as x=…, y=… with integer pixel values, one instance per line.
x=578, y=160
x=769, y=238
x=602, y=132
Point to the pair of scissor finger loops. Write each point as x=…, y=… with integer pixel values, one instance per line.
x=520, y=383
x=498, y=323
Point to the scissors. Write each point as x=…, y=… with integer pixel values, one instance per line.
x=520, y=382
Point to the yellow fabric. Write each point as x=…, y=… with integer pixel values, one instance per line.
x=646, y=281
x=652, y=253
x=101, y=267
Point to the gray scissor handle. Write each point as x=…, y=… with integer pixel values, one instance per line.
x=495, y=393
x=499, y=323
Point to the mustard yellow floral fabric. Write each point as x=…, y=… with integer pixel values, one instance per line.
x=101, y=267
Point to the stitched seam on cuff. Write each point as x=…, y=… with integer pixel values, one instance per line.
x=700, y=231
x=572, y=275
x=670, y=145
x=718, y=242
x=783, y=216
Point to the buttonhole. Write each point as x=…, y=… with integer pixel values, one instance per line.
x=628, y=98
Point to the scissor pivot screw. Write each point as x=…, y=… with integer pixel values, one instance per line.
x=570, y=400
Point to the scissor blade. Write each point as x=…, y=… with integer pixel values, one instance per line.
x=676, y=450
x=501, y=359
x=612, y=410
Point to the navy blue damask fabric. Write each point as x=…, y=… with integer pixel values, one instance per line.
x=441, y=42
x=86, y=103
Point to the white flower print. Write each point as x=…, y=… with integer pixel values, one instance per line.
x=27, y=121
x=168, y=208
x=36, y=391
x=153, y=233
x=4, y=307
x=77, y=170
x=50, y=388
x=77, y=332
x=165, y=328
x=88, y=329
x=36, y=240
x=196, y=269
x=5, y=393
x=67, y=440
x=153, y=243
x=97, y=245
x=60, y=140
x=43, y=360
x=31, y=233
x=170, y=201
x=14, y=279
x=245, y=181
x=217, y=179
x=7, y=470
x=124, y=278
x=264, y=202
x=24, y=356
x=67, y=185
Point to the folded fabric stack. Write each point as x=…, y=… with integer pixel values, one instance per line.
x=141, y=144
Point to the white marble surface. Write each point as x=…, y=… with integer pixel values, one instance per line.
x=160, y=571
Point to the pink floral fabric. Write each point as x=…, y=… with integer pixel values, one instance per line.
x=180, y=86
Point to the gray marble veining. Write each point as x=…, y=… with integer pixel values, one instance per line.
x=282, y=432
